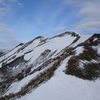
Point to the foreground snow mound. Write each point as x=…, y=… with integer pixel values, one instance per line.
x=65, y=87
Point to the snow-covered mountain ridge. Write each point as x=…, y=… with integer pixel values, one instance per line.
x=30, y=65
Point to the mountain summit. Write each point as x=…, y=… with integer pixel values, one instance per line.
x=64, y=67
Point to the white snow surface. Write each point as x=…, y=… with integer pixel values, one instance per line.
x=60, y=86
x=65, y=87
x=10, y=53
x=16, y=86
x=79, y=50
x=97, y=48
x=57, y=43
x=82, y=39
x=33, y=50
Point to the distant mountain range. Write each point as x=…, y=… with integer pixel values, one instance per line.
x=64, y=67
x=3, y=52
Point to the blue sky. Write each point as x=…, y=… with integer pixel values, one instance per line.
x=23, y=20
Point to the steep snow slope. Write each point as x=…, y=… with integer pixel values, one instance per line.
x=30, y=56
x=54, y=44
x=9, y=55
x=81, y=40
x=36, y=70
x=34, y=48
x=65, y=87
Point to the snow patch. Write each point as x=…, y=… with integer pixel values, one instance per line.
x=79, y=50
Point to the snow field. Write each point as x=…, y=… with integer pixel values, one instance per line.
x=65, y=87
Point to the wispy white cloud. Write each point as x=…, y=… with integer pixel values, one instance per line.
x=60, y=28
x=88, y=12
x=13, y=0
x=87, y=24
x=2, y=2
x=3, y=11
x=8, y=39
x=73, y=3
x=16, y=1
x=4, y=8
x=90, y=9
x=5, y=29
x=8, y=42
x=20, y=4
